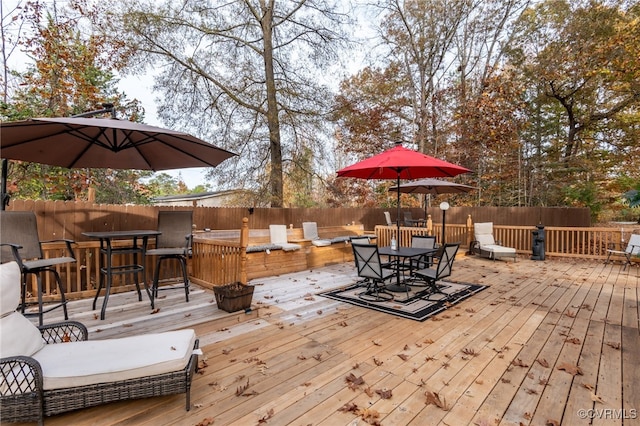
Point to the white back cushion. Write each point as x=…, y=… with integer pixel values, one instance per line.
x=18, y=336
x=310, y=230
x=278, y=234
x=483, y=233
x=634, y=244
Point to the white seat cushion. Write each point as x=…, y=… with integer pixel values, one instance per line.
x=90, y=362
x=498, y=250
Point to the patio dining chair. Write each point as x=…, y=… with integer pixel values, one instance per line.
x=442, y=270
x=20, y=242
x=632, y=249
x=387, y=219
x=372, y=272
x=410, y=221
x=174, y=242
x=426, y=242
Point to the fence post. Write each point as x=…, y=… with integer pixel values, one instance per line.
x=429, y=225
x=244, y=242
x=469, y=231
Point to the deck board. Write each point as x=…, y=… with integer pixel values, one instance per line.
x=494, y=357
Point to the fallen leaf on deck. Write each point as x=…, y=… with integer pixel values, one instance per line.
x=571, y=369
x=519, y=363
x=573, y=340
x=470, y=352
x=596, y=398
x=434, y=399
x=155, y=311
x=614, y=345
x=240, y=389
x=377, y=362
x=369, y=415
x=551, y=422
x=267, y=416
x=384, y=394
x=543, y=362
x=349, y=407
x=353, y=382
x=403, y=357
x=205, y=422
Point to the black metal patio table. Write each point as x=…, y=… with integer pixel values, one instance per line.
x=107, y=252
x=404, y=253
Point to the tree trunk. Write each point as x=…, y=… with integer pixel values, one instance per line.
x=275, y=177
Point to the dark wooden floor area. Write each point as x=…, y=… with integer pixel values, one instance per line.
x=553, y=341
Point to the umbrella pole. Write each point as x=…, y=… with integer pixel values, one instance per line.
x=399, y=287
x=5, y=197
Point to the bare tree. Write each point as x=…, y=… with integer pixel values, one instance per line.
x=10, y=33
x=243, y=74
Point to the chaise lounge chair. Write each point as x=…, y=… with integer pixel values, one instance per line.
x=53, y=368
x=633, y=249
x=486, y=246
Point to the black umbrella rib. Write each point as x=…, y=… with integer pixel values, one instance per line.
x=91, y=140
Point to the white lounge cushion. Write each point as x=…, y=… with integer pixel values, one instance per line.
x=90, y=362
x=18, y=336
x=498, y=250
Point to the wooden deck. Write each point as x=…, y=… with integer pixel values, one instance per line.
x=547, y=341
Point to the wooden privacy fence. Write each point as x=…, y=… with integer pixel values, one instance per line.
x=69, y=219
x=224, y=259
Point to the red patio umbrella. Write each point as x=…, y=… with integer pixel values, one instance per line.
x=401, y=163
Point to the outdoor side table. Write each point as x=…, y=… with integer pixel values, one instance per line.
x=107, y=252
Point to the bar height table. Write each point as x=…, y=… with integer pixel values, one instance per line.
x=107, y=252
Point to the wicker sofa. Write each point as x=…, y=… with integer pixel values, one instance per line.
x=53, y=368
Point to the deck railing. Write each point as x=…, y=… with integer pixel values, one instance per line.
x=221, y=261
x=579, y=242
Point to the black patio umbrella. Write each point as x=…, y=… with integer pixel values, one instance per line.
x=79, y=142
x=432, y=187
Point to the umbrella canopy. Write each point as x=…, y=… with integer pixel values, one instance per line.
x=401, y=163
x=432, y=186
x=105, y=143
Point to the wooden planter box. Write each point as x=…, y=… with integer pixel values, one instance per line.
x=233, y=297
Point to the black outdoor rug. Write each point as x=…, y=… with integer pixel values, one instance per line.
x=418, y=305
